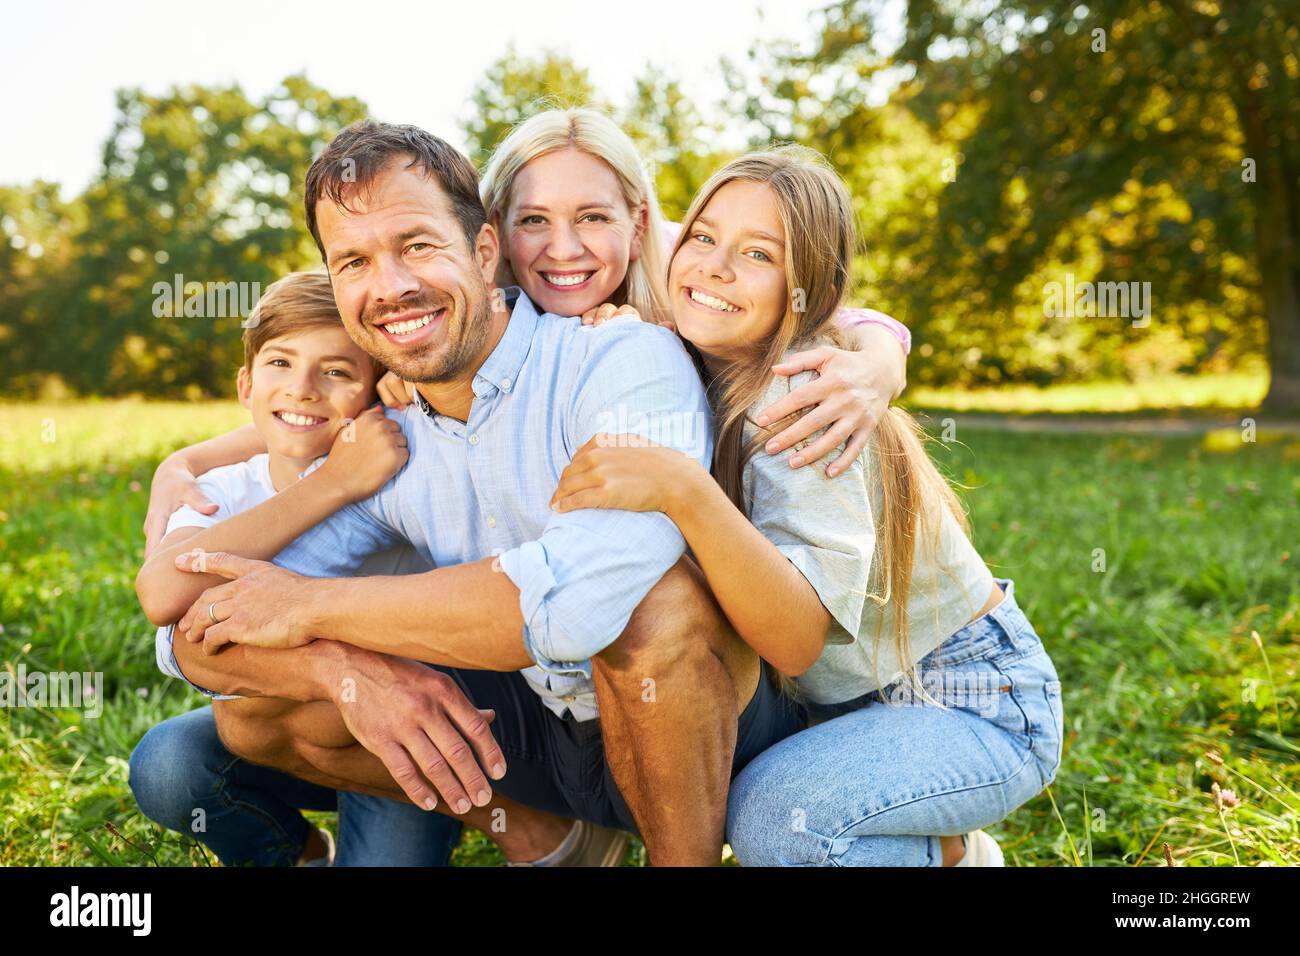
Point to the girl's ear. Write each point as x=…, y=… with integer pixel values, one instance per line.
x=639, y=235
x=244, y=386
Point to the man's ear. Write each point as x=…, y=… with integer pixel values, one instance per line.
x=642, y=223
x=487, y=252
x=244, y=386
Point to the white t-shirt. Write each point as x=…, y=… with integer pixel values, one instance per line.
x=236, y=488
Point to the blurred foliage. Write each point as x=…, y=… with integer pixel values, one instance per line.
x=992, y=148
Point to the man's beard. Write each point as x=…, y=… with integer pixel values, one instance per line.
x=435, y=362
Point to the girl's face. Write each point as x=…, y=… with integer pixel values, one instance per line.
x=570, y=236
x=727, y=280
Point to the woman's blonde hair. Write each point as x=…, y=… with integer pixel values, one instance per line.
x=585, y=129
x=817, y=214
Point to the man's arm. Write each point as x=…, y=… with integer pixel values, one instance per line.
x=561, y=599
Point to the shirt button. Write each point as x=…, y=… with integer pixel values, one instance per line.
x=473, y=439
x=568, y=698
x=491, y=521
x=505, y=384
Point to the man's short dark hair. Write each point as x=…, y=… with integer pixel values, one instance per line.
x=359, y=152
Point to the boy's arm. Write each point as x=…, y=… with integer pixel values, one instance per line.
x=174, y=482
x=363, y=458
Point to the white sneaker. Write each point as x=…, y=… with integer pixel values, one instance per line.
x=328, y=858
x=981, y=850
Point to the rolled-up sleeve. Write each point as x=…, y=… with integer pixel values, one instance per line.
x=581, y=580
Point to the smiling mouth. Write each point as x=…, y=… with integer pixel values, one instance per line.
x=299, y=421
x=566, y=280
x=710, y=301
x=410, y=327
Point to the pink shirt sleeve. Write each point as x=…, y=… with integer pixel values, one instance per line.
x=850, y=317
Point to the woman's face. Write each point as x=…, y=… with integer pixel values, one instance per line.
x=727, y=280
x=570, y=236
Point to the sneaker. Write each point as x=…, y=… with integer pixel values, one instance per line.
x=328, y=858
x=981, y=850
x=588, y=844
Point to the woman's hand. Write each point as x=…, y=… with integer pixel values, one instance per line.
x=848, y=398
x=626, y=472
x=173, y=486
x=367, y=452
x=395, y=392
x=607, y=311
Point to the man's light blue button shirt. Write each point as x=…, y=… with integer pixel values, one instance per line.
x=482, y=487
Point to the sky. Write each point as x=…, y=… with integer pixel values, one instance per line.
x=411, y=62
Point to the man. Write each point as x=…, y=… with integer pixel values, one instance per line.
x=637, y=703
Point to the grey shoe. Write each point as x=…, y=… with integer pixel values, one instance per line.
x=589, y=844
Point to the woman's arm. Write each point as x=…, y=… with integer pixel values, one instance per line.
x=784, y=621
x=850, y=394
x=174, y=481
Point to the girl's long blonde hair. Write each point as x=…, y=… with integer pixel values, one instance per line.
x=599, y=136
x=817, y=215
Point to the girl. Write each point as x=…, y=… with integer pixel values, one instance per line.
x=933, y=708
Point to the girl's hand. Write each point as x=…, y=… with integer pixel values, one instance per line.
x=848, y=398
x=395, y=392
x=367, y=452
x=607, y=311
x=173, y=486
x=627, y=472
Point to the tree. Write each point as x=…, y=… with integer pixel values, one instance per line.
x=514, y=89
x=1172, y=127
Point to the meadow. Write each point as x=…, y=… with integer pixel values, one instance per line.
x=1161, y=573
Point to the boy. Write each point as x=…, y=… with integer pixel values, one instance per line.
x=304, y=382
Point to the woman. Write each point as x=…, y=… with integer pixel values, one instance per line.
x=864, y=592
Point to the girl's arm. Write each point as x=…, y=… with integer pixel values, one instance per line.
x=361, y=461
x=174, y=481
x=802, y=567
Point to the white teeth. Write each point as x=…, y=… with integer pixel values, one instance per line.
x=712, y=301
x=293, y=418
x=402, y=328
x=578, y=279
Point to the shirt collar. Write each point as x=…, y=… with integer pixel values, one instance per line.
x=500, y=370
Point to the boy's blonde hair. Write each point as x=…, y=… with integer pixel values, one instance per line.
x=645, y=287
x=298, y=301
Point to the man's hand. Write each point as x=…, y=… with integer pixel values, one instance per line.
x=262, y=604
x=419, y=722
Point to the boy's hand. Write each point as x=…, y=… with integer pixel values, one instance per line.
x=367, y=452
x=394, y=391
x=173, y=486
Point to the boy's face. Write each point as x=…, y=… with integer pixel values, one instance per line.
x=302, y=388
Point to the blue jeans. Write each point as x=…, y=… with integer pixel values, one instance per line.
x=877, y=782
x=185, y=779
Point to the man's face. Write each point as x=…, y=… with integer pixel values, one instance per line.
x=411, y=291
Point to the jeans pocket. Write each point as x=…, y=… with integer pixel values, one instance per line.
x=1053, y=742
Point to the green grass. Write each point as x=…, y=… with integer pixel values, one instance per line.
x=1163, y=394
x=1156, y=653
